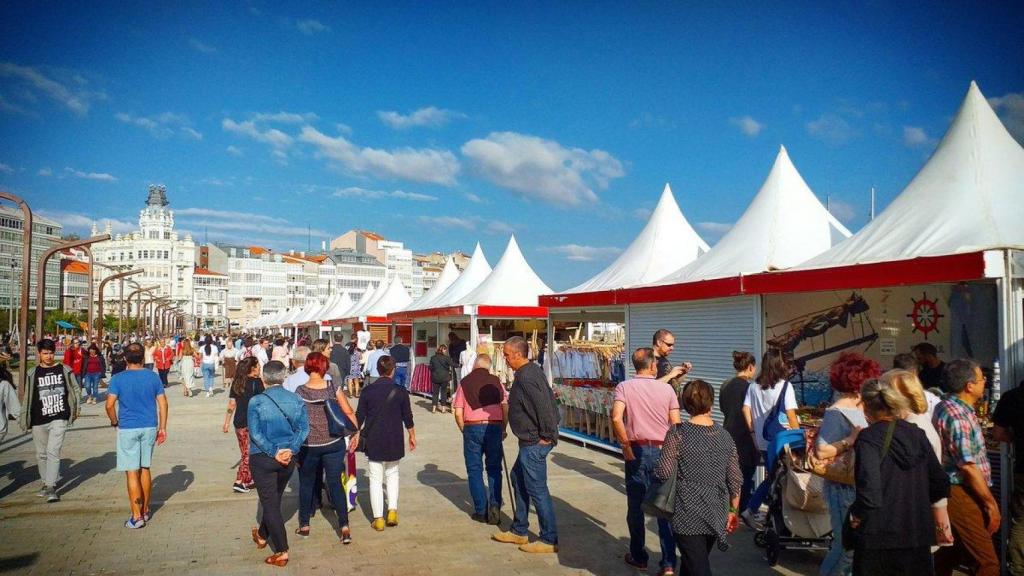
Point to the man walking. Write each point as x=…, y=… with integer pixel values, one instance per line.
x=50, y=405
x=400, y=354
x=341, y=357
x=137, y=407
x=663, y=343
x=644, y=410
x=481, y=413
x=372, y=372
x=973, y=512
x=533, y=414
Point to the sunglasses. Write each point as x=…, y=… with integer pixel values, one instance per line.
x=669, y=344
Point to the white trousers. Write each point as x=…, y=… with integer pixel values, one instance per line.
x=381, y=473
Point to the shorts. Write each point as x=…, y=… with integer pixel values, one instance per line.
x=135, y=448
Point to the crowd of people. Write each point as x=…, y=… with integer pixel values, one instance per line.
x=907, y=480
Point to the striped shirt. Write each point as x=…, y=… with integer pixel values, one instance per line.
x=962, y=439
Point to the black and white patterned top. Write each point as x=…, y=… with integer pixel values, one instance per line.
x=708, y=475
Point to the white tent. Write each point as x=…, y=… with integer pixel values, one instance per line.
x=448, y=276
x=341, y=305
x=476, y=272
x=317, y=312
x=367, y=300
x=392, y=299
x=666, y=244
x=968, y=197
x=512, y=282
x=289, y=319
x=371, y=292
x=784, y=225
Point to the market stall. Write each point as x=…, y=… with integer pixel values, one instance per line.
x=372, y=316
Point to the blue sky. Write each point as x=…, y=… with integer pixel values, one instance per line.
x=443, y=125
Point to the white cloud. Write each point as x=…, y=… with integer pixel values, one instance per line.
x=162, y=125
x=310, y=27
x=192, y=133
x=499, y=227
x=200, y=46
x=747, y=125
x=283, y=117
x=642, y=213
x=45, y=171
x=364, y=194
x=473, y=198
x=1010, y=108
x=235, y=151
x=915, y=137
x=6, y=169
x=418, y=165
x=241, y=227
x=99, y=176
x=34, y=81
x=278, y=141
x=228, y=215
x=424, y=117
x=843, y=211
x=579, y=253
x=449, y=222
x=82, y=224
x=831, y=128
x=542, y=169
x=714, y=227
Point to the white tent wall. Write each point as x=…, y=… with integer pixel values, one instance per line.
x=706, y=333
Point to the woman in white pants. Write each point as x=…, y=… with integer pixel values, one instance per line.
x=384, y=409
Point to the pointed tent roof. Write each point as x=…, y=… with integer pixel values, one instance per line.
x=304, y=312
x=293, y=313
x=784, y=225
x=448, y=276
x=512, y=282
x=315, y=314
x=968, y=197
x=367, y=300
x=667, y=243
x=476, y=272
x=342, y=305
x=392, y=299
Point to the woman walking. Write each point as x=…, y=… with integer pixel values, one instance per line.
x=93, y=370
x=10, y=407
x=229, y=358
x=148, y=348
x=440, y=376
x=321, y=450
x=702, y=456
x=187, y=366
x=245, y=384
x=355, y=370
x=209, y=357
x=843, y=420
x=163, y=358
x=898, y=480
x=730, y=401
x=383, y=411
x=278, y=425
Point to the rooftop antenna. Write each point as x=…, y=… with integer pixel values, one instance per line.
x=872, y=203
x=828, y=203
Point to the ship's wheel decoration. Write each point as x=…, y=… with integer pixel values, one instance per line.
x=925, y=315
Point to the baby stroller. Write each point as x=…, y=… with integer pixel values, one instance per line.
x=797, y=515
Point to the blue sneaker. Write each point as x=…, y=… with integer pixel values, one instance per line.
x=133, y=524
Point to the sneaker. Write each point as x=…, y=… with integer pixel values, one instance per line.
x=209, y=394
x=539, y=547
x=628, y=559
x=751, y=521
x=494, y=515
x=52, y=496
x=43, y=491
x=392, y=518
x=510, y=538
x=378, y=524
x=133, y=524
x=667, y=571
x=239, y=487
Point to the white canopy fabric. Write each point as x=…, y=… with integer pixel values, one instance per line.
x=294, y=314
x=343, y=305
x=784, y=225
x=392, y=299
x=368, y=296
x=512, y=282
x=968, y=197
x=667, y=243
x=318, y=312
x=448, y=276
x=476, y=272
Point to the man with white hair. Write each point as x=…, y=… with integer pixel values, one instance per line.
x=481, y=413
x=299, y=376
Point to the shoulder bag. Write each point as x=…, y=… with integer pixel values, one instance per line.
x=772, y=426
x=851, y=535
x=338, y=423
x=368, y=425
x=660, y=501
x=838, y=469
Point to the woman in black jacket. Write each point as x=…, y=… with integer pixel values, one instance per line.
x=898, y=479
x=440, y=376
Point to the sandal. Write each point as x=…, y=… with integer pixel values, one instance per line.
x=304, y=531
x=276, y=560
x=260, y=543
x=346, y=536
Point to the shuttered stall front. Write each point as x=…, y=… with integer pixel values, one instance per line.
x=706, y=331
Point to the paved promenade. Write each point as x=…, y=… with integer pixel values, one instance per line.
x=200, y=526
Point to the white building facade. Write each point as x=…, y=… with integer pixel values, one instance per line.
x=210, y=299
x=45, y=234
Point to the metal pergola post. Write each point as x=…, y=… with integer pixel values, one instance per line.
x=103, y=284
x=26, y=278
x=41, y=274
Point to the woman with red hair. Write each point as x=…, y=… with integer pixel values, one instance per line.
x=321, y=447
x=843, y=420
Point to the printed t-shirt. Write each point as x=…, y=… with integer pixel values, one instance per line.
x=136, y=392
x=51, y=400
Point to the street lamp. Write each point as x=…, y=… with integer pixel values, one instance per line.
x=41, y=275
x=138, y=303
x=103, y=285
x=26, y=265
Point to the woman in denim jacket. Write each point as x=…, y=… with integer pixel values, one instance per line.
x=278, y=425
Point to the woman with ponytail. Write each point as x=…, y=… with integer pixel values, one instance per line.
x=244, y=386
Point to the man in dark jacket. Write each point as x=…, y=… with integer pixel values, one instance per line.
x=400, y=354
x=341, y=357
x=533, y=415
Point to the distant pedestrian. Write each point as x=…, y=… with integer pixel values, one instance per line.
x=163, y=358
x=280, y=351
x=74, y=357
x=440, y=377
x=354, y=379
x=481, y=413
x=10, y=406
x=643, y=412
x=372, y=358
x=245, y=384
x=50, y=405
x=229, y=358
x=341, y=356
x=324, y=346
x=150, y=347
x=533, y=415
x=187, y=366
x=400, y=354
x=137, y=407
x=94, y=369
x=118, y=363
x=278, y=425
x=299, y=376
x=383, y=411
x=209, y=358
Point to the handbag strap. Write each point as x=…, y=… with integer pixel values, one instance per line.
x=780, y=402
x=283, y=413
x=367, y=425
x=888, y=438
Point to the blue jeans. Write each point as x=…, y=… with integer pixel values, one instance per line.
x=480, y=442
x=838, y=562
x=530, y=483
x=92, y=384
x=639, y=479
x=755, y=501
x=402, y=376
x=748, y=484
x=209, y=373
x=332, y=457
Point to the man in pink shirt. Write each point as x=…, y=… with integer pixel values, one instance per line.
x=645, y=409
x=481, y=413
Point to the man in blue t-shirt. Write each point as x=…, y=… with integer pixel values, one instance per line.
x=137, y=407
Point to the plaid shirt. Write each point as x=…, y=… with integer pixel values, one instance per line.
x=962, y=440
